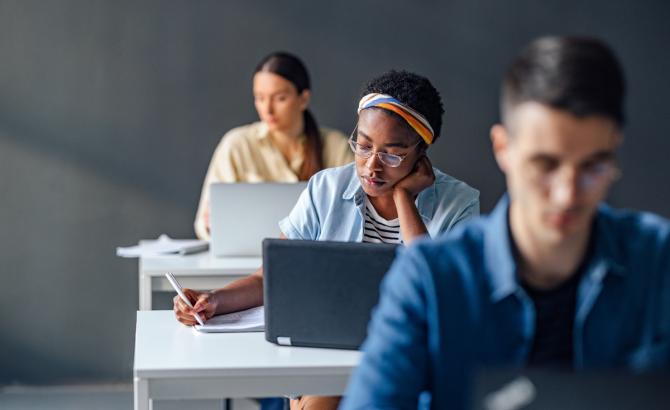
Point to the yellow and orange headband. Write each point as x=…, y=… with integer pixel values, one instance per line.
x=415, y=120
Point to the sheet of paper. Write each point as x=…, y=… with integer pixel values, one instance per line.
x=250, y=320
x=164, y=245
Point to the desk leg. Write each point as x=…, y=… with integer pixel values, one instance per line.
x=141, y=394
x=145, y=292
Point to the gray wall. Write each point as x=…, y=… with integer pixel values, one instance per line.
x=110, y=110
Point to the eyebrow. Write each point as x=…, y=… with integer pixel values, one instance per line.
x=282, y=91
x=391, y=145
x=603, y=155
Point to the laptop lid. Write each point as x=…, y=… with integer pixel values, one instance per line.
x=548, y=389
x=243, y=214
x=319, y=293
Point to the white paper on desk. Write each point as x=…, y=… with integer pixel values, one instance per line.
x=164, y=245
x=250, y=320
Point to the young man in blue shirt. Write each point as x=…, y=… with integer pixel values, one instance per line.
x=552, y=277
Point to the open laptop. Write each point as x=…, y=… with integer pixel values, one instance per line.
x=320, y=294
x=506, y=389
x=243, y=214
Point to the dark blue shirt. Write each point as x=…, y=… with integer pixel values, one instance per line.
x=453, y=304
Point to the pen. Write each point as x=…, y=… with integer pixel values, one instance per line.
x=183, y=297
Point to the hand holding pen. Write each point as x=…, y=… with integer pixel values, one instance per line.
x=191, y=306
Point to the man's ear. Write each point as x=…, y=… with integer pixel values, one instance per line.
x=500, y=144
x=305, y=96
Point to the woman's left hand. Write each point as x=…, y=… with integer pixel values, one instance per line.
x=419, y=179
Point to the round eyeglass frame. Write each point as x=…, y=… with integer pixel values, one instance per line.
x=390, y=160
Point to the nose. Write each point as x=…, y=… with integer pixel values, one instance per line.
x=565, y=188
x=265, y=106
x=373, y=163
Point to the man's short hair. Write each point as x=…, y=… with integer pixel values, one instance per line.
x=579, y=75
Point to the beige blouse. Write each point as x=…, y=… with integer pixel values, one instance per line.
x=247, y=154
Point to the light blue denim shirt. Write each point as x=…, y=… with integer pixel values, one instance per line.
x=332, y=207
x=455, y=303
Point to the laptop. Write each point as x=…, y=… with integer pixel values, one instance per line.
x=319, y=293
x=243, y=214
x=506, y=389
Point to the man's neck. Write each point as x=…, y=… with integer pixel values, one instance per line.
x=545, y=265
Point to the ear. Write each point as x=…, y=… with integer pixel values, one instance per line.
x=305, y=97
x=500, y=144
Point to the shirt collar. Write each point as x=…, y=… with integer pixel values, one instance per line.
x=263, y=131
x=607, y=252
x=425, y=201
x=501, y=266
x=499, y=260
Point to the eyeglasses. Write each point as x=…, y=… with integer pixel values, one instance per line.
x=593, y=178
x=365, y=152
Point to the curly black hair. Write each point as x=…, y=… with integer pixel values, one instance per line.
x=412, y=90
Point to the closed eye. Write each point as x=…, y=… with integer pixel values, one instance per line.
x=544, y=163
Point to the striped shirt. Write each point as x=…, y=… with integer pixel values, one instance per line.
x=378, y=229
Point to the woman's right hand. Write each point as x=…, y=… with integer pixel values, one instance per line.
x=203, y=305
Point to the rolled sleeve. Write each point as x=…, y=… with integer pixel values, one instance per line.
x=303, y=221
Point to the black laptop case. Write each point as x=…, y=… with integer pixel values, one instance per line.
x=320, y=294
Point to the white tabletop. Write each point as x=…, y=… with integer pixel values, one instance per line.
x=165, y=348
x=203, y=263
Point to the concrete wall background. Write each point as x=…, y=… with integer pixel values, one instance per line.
x=110, y=110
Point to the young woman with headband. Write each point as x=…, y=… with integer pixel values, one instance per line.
x=390, y=194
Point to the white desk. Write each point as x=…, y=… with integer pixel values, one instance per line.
x=200, y=271
x=173, y=361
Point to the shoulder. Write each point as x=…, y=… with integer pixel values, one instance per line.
x=335, y=149
x=460, y=246
x=334, y=142
x=241, y=136
x=641, y=221
x=336, y=179
x=448, y=268
x=634, y=229
x=332, y=136
x=452, y=189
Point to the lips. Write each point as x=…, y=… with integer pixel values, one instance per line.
x=373, y=182
x=562, y=219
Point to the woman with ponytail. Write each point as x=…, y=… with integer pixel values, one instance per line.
x=286, y=145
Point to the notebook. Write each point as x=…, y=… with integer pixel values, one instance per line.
x=250, y=320
x=319, y=293
x=164, y=245
x=243, y=214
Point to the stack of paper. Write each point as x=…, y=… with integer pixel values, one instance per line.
x=164, y=245
x=250, y=320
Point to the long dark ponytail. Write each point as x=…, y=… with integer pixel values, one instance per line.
x=292, y=69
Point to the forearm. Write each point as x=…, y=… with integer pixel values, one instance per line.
x=411, y=224
x=242, y=294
